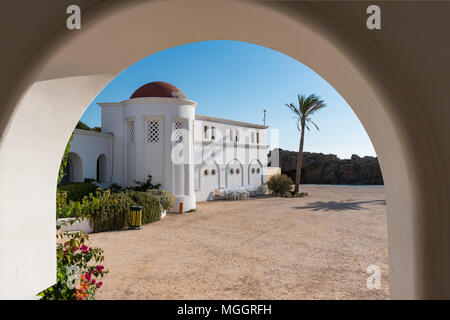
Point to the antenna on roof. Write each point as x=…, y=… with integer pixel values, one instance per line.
x=264, y=119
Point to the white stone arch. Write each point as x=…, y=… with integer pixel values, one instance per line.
x=254, y=177
x=234, y=173
x=102, y=168
x=75, y=167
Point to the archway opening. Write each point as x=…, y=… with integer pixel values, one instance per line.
x=75, y=168
x=244, y=141
x=334, y=64
x=102, y=168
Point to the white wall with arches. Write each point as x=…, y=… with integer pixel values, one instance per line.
x=91, y=156
x=230, y=148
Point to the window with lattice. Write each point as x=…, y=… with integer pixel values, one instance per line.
x=178, y=128
x=153, y=131
x=131, y=132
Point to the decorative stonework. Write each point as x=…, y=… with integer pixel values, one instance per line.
x=178, y=128
x=131, y=132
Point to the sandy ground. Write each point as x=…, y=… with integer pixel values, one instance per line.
x=316, y=247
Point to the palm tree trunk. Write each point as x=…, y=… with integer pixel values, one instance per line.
x=298, y=173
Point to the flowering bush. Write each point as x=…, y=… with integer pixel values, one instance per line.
x=78, y=269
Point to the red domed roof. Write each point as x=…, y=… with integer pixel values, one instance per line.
x=158, y=89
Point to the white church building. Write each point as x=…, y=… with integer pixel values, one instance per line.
x=157, y=132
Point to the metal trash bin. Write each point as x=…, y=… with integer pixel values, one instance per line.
x=135, y=217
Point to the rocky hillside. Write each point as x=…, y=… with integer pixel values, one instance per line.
x=319, y=168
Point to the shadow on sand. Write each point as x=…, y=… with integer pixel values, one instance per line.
x=339, y=206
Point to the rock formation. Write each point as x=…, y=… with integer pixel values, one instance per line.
x=319, y=168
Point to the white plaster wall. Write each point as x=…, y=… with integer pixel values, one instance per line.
x=28, y=206
x=89, y=145
x=80, y=225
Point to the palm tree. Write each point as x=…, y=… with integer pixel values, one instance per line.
x=303, y=112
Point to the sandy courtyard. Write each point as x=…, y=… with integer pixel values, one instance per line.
x=316, y=247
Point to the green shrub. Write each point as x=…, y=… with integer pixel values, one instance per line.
x=115, y=187
x=67, y=209
x=300, y=195
x=151, y=211
x=279, y=184
x=165, y=198
x=82, y=125
x=144, y=186
x=107, y=211
x=76, y=191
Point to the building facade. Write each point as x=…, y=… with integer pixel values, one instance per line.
x=157, y=132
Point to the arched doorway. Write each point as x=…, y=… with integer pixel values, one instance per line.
x=75, y=165
x=102, y=169
x=255, y=174
x=234, y=173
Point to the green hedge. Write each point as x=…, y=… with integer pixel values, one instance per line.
x=279, y=184
x=109, y=211
x=76, y=191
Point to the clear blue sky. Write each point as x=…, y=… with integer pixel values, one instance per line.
x=238, y=80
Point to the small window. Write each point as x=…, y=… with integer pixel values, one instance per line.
x=258, y=170
x=237, y=135
x=213, y=133
x=206, y=172
x=131, y=131
x=253, y=137
x=213, y=172
x=231, y=171
x=253, y=170
x=257, y=137
x=205, y=132
x=238, y=171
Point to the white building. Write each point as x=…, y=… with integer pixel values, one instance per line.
x=157, y=132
